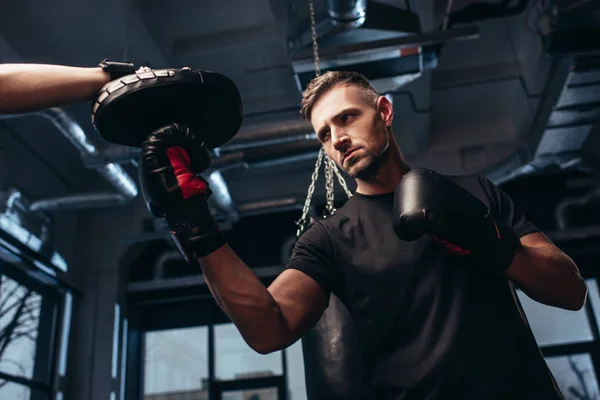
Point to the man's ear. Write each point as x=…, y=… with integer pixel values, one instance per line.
x=385, y=110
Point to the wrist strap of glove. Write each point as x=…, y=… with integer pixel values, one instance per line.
x=502, y=251
x=117, y=69
x=194, y=230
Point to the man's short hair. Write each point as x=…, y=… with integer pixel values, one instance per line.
x=319, y=85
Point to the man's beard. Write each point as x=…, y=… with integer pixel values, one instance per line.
x=367, y=165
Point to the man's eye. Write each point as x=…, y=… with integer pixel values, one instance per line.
x=346, y=117
x=324, y=136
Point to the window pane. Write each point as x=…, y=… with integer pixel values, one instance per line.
x=19, y=322
x=176, y=361
x=252, y=394
x=295, y=372
x=15, y=391
x=575, y=376
x=553, y=325
x=234, y=359
x=593, y=297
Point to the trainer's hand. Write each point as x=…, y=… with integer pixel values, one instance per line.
x=427, y=203
x=172, y=157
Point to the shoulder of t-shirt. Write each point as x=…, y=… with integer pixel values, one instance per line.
x=499, y=202
x=476, y=185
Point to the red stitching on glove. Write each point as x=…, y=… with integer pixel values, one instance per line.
x=454, y=249
x=496, y=228
x=189, y=183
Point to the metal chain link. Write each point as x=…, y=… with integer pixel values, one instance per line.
x=311, y=189
x=329, y=186
x=330, y=167
x=341, y=179
x=313, y=28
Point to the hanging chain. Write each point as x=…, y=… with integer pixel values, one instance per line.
x=313, y=28
x=330, y=166
x=341, y=179
x=311, y=189
x=329, y=189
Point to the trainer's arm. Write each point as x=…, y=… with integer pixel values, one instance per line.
x=268, y=319
x=31, y=87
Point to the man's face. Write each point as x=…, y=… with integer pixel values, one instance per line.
x=352, y=129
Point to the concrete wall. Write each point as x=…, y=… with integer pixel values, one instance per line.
x=96, y=273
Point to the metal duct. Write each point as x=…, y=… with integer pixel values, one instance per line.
x=560, y=212
x=221, y=196
x=19, y=209
x=164, y=258
x=347, y=14
x=268, y=142
x=271, y=130
x=569, y=122
x=113, y=173
x=388, y=63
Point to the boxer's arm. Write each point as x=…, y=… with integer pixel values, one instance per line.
x=268, y=319
x=31, y=87
x=543, y=271
x=546, y=274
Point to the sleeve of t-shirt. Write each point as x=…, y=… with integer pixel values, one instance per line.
x=313, y=255
x=504, y=210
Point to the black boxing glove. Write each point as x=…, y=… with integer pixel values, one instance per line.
x=171, y=158
x=427, y=203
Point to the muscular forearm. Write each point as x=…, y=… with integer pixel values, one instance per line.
x=548, y=276
x=245, y=300
x=31, y=87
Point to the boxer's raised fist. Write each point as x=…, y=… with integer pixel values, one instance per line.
x=172, y=157
x=427, y=203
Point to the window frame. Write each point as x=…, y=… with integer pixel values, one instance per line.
x=25, y=272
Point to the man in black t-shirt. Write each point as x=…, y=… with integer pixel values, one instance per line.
x=424, y=263
x=431, y=325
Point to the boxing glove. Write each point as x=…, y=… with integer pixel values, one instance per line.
x=171, y=159
x=427, y=203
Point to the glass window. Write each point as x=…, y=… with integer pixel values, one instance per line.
x=19, y=320
x=15, y=391
x=252, y=394
x=295, y=372
x=176, y=361
x=28, y=328
x=593, y=297
x=552, y=325
x=234, y=359
x=575, y=376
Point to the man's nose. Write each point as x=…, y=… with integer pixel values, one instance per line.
x=339, y=139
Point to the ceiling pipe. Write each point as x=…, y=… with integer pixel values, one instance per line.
x=347, y=14
x=113, y=173
x=560, y=212
x=158, y=271
x=18, y=207
x=271, y=130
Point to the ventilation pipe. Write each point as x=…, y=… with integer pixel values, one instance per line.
x=19, y=209
x=166, y=257
x=113, y=173
x=560, y=212
x=347, y=14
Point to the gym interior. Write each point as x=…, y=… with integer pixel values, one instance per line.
x=97, y=302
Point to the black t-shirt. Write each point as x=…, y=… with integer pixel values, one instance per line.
x=431, y=325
